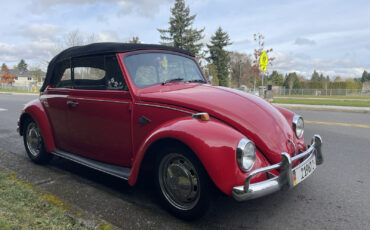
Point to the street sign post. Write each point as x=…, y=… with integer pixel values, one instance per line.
x=263, y=63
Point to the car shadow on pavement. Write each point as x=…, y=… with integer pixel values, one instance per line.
x=139, y=203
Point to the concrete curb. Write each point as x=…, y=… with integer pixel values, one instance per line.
x=349, y=109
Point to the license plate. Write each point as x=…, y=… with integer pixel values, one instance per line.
x=301, y=173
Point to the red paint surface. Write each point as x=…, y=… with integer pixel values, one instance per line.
x=105, y=125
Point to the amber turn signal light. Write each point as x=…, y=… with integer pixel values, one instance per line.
x=201, y=116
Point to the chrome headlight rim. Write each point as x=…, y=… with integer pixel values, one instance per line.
x=244, y=150
x=298, y=125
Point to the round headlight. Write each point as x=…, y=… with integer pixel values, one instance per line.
x=246, y=154
x=298, y=125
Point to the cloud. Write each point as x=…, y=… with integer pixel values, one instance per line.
x=107, y=36
x=147, y=8
x=304, y=41
x=35, y=51
x=38, y=31
x=241, y=42
x=305, y=65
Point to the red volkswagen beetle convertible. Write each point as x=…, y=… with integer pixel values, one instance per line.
x=116, y=107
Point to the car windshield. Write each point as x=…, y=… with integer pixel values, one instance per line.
x=153, y=68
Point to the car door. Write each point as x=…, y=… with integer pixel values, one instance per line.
x=99, y=115
x=54, y=101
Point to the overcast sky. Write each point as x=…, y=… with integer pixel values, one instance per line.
x=330, y=36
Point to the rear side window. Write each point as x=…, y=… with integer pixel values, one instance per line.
x=64, y=74
x=91, y=73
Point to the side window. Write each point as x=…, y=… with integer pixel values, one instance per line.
x=98, y=73
x=63, y=75
x=113, y=75
x=88, y=73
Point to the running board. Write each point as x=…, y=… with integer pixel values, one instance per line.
x=114, y=170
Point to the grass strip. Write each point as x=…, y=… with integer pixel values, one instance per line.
x=23, y=207
x=337, y=97
x=323, y=102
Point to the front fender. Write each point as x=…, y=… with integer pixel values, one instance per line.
x=213, y=142
x=37, y=113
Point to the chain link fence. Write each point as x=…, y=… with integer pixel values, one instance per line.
x=31, y=88
x=321, y=92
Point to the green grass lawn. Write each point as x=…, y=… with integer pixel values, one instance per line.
x=322, y=102
x=21, y=207
x=336, y=97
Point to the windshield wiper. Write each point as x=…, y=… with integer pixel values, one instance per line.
x=172, y=80
x=197, y=80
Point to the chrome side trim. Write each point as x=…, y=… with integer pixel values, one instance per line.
x=99, y=100
x=284, y=180
x=163, y=107
x=114, y=170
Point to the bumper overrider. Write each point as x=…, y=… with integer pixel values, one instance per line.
x=284, y=180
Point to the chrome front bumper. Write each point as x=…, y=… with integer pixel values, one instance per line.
x=284, y=180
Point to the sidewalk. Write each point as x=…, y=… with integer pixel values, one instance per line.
x=19, y=93
x=332, y=108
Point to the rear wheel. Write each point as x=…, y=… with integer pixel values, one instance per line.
x=34, y=143
x=182, y=183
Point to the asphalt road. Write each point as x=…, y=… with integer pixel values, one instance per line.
x=336, y=196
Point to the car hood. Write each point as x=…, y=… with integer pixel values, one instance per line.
x=256, y=118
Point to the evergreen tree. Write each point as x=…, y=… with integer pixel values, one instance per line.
x=315, y=76
x=365, y=76
x=292, y=81
x=321, y=77
x=180, y=32
x=219, y=56
x=276, y=78
x=22, y=66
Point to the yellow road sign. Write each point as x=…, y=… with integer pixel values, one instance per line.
x=263, y=61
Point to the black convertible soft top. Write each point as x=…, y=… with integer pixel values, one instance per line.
x=101, y=48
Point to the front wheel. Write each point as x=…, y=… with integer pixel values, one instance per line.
x=34, y=144
x=182, y=183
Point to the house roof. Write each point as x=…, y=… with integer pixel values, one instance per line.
x=102, y=48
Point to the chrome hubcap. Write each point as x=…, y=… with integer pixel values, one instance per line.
x=179, y=181
x=33, y=139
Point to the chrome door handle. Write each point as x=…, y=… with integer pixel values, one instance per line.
x=72, y=103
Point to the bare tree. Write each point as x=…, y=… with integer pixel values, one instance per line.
x=259, y=38
x=240, y=65
x=134, y=40
x=74, y=38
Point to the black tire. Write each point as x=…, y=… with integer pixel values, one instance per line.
x=191, y=182
x=34, y=143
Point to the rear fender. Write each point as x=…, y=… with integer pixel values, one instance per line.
x=213, y=142
x=35, y=110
